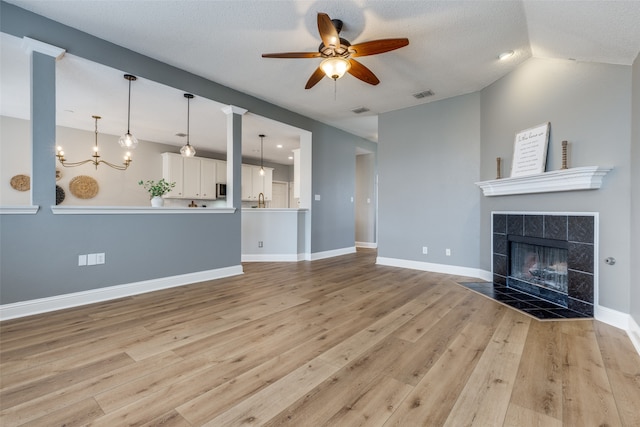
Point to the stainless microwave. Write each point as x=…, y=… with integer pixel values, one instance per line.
x=221, y=191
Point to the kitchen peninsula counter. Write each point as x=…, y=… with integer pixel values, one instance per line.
x=274, y=234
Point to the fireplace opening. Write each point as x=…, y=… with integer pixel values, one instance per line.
x=539, y=267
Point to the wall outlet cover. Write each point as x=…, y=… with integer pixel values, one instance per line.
x=91, y=259
x=82, y=260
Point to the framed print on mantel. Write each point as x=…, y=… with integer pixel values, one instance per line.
x=530, y=151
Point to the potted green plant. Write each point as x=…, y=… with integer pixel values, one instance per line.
x=156, y=190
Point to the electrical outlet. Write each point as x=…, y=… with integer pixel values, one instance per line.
x=425, y=250
x=82, y=260
x=91, y=259
x=260, y=243
x=447, y=252
x=317, y=197
x=100, y=259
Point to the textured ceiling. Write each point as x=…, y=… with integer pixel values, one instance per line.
x=453, y=47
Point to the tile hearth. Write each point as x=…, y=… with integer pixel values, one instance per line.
x=537, y=307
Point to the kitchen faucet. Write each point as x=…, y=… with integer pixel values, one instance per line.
x=261, y=202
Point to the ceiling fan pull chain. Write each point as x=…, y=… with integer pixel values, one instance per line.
x=335, y=89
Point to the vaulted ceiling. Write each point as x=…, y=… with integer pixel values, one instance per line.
x=453, y=50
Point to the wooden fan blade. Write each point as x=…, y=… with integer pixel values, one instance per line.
x=361, y=72
x=375, y=47
x=328, y=32
x=317, y=75
x=292, y=55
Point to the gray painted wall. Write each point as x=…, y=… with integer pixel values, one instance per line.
x=635, y=192
x=588, y=104
x=428, y=160
x=39, y=252
x=429, y=156
x=334, y=180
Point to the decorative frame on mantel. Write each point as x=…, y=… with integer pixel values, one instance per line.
x=581, y=178
x=530, y=151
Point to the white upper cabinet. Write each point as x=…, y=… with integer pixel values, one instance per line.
x=195, y=177
x=253, y=183
x=172, y=172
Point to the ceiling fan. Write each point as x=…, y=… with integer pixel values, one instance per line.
x=338, y=53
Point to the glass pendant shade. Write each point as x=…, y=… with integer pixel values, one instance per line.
x=262, y=171
x=187, y=150
x=335, y=67
x=128, y=141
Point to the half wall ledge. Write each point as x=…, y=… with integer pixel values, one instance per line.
x=582, y=178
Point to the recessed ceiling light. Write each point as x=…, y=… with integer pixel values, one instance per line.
x=279, y=145
x=505, y=55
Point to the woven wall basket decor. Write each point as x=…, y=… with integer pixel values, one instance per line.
x=83, y=187
x=21, y=182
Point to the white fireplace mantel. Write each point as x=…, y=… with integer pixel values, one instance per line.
x=582, y=178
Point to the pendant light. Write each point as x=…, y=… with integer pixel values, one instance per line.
x=129, y=141
x=95, y=160
x=261, y=154
x=188, y=150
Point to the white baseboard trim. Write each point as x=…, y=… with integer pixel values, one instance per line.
x=621, y=321
x=59, y=302
x=436, y=268
x=273, y=257
x=329, y=254
x=611, y=317
x=368, y=245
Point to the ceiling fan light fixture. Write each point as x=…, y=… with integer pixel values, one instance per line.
x=335, y=67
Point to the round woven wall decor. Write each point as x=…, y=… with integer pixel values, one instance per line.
x=83, y=187
x=21, y=182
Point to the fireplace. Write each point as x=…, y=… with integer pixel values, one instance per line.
x=549, y=256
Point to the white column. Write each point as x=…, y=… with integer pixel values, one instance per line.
x=234, y=155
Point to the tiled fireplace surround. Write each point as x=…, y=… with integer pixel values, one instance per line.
x=577, y=230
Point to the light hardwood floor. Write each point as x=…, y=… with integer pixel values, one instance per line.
x=335, y=342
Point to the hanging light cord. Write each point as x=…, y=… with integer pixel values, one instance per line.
x=129, y=109
x=188, y=103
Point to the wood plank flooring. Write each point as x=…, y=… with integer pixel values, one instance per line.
x=335, y=342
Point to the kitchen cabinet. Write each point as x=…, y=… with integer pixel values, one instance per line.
x=191, y=177
x=221, y=172
x=253, y=183
x=172, y=168
x=208, y=171
x=195, y=177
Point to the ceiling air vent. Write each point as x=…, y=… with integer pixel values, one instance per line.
x=423, y=94
x=360, y=110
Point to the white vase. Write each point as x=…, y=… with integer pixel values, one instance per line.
x=157, y=202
